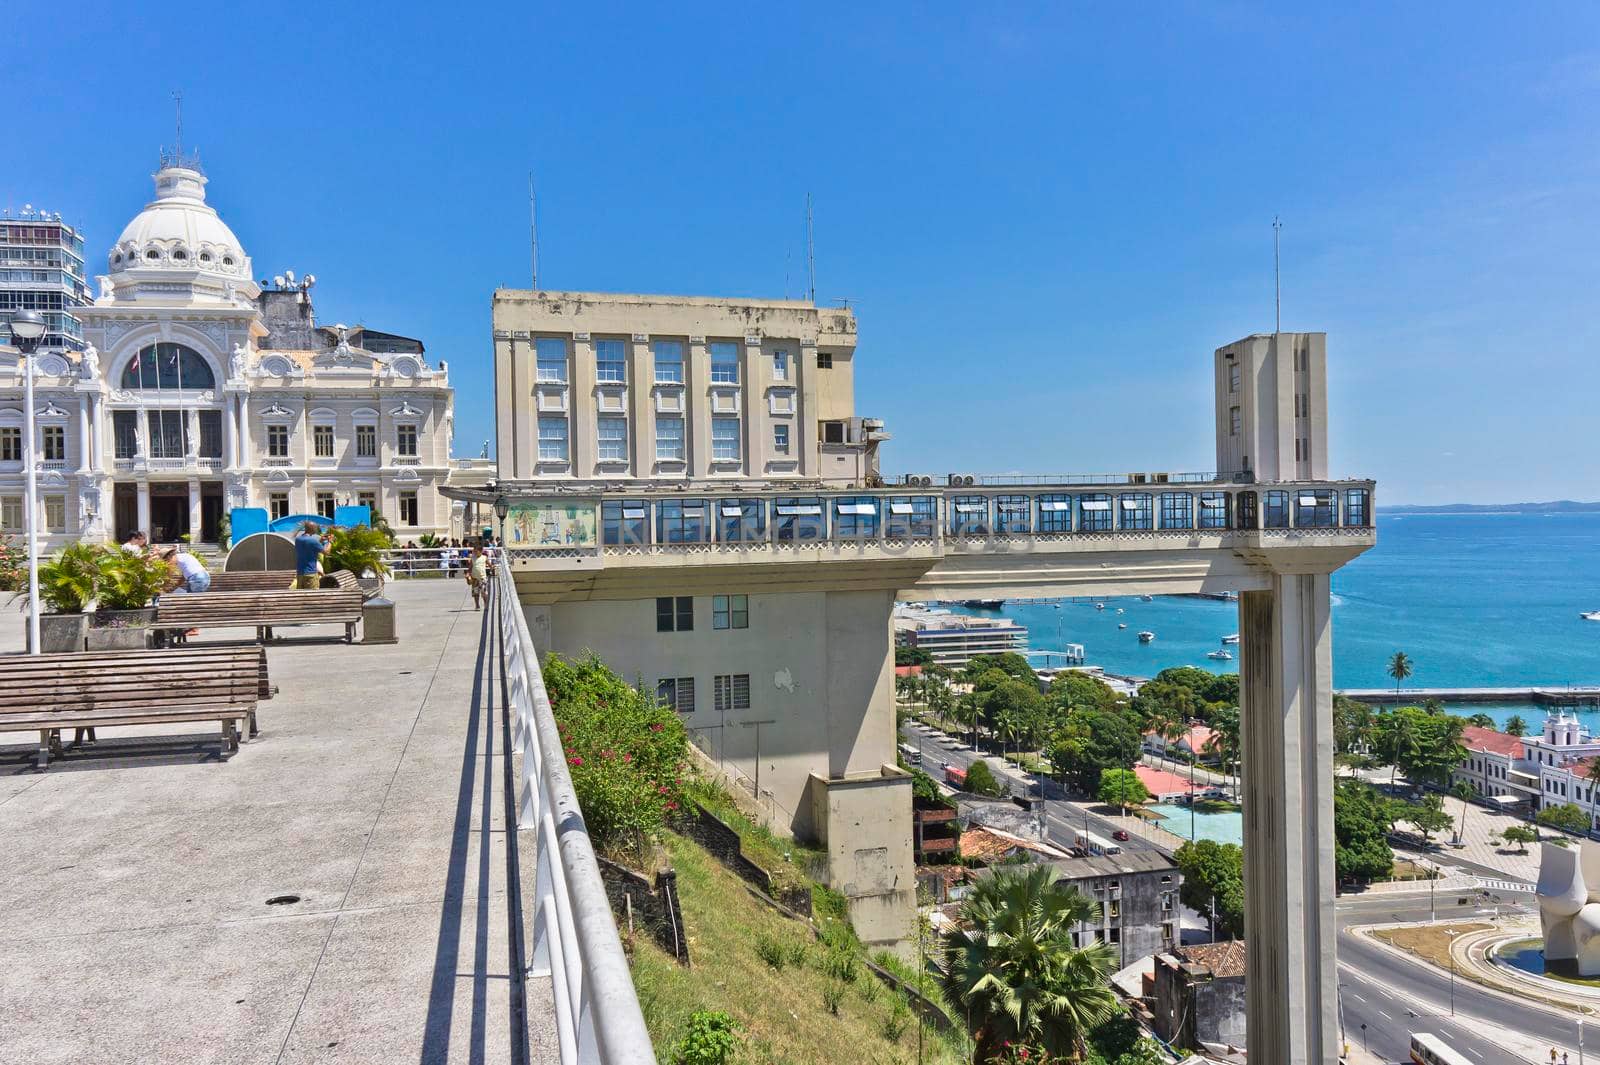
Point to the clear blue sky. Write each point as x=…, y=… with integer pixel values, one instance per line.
x=1049, y=215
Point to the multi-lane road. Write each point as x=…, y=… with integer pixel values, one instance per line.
x=1384, y=997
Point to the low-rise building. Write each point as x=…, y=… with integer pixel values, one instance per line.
x=1533, y=772
x=1138, y=895
x=1196, y=741
x=1200, y=995
x=955, y=639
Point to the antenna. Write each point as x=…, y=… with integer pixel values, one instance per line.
x=1277, y=285
x=811, y=253
x=533, y=230
x=177, y=96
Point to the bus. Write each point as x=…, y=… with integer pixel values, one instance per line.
x=955, y=776
x=1429, y=1049
x=910, y=754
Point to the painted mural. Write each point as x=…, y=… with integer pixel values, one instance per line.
x=551, y=525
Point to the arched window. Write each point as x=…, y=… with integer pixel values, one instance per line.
x=168, y=366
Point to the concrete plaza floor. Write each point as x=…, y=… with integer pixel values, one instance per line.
x=138, y=871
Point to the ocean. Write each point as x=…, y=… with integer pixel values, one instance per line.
x=1476, y=600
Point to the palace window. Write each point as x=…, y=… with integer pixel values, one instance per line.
x=669, y=361
x=322, y=441
x=278, y=505
x=278, y=441
x=1177, y=510
x=669, y=437
x=725, y=443
x=366, y=441
x=53, y=443
x=55, y=514
x=10, y=444
x=167, y=367
x=1055, y=513
x=551, y=353
x=676, y=693
x=613, y=439
x=741, y=520
x=730, y=612
x=325, y=504
x=405, y=440
x=408, y=509
x=675, y=613
x=610, y=361
x=370, y=501
x=11, y=513
x=624, y=521
x=724, y=362
x=682, y=521
x=210, y=434
x=169, y=434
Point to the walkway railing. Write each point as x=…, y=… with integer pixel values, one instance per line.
x=575, y=942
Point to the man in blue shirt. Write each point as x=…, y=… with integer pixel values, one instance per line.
x=308, y=549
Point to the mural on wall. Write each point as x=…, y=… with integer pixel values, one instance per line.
x=551, y=525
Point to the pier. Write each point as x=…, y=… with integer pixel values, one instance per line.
x=1542, y=695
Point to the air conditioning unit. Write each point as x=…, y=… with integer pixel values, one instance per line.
x=960, y=480
x=916, y=480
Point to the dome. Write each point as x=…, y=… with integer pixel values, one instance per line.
x=178, y=230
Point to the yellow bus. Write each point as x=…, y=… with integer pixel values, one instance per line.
x=1429, y=1049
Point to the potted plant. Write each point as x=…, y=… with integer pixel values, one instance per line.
x=359, y=549
x=124, y=587
x=66, y=587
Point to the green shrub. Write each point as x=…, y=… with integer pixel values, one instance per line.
x=798, y=954
x=128, y=581
x=357, y=549
x=898, y=1020
x=980, y=779
x=711, y=1039
x=770, y=951
x=67, y=579
x=840, y=964
x=625, y=752
x=832, y=996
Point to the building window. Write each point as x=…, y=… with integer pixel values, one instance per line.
x=169, y=434
x=366, y=441
x=725, y=444
x=911, y=516
x=741, y=520
x=1055, y=513
x=1302, y=405
x=682, y=521
x=610, y=361
x=724, y=362
x=1246, y=505
x=1277, y=510
x=623, y=521
x=408, y=509
x=969, y=515
x=10, y=444
x=780, y=365
x=551, y=355
x=210, y=433
x=1316, y=508
x=831, y=432
x=731, y=691
x=1094, y=512
x=799, y=518
x=325, y=504
x=730, y=612
x=612, y=436
x=1012, y=514
x=552, y=439
x=669, y=437
x=1356, y=508
x=10, y=513
x=780, y=438
x=278, y=441
x=322, y=441
x=1233, y=377
x=1213, y=510
x=370, y=501
x=1235, y=421
x=1177, y=510
x=675, y=613
x=167, y=366
x=124, y=435
x=405, y=440
x=669, y=361
x=676, y=693
x=824, y=360
x=855, y=516
x=1134, y=510
x=55, y=514
x=278, y=505
x=53, y=443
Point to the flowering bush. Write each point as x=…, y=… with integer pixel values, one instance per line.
x=625, y=752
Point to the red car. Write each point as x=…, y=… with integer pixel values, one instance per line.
x=1120, y=835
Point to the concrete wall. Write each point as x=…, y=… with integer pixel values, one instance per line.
x=1193, y=1007
x=1282, y=396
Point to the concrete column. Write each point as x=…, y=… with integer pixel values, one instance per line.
x=582, y=427
x=1286, y=711
x=97, y=458
x=144, y=507
x=85, y=447
x=641, y=406
x=194, y=511
x=697, y=407
x=246, y=451
x=229, y=459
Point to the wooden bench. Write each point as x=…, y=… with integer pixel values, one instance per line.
x=272, y=580
x=83, y=691
x=262, y=611
x=345, y=580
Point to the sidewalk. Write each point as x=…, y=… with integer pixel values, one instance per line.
x=336, y=891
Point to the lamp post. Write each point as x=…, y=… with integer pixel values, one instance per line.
x=27, y=329
x=501, y=509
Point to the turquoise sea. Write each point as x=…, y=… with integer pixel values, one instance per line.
x=1476, y=600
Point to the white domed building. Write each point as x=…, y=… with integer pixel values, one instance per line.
x=203, y=390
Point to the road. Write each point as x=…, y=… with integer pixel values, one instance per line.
x=1391, y=995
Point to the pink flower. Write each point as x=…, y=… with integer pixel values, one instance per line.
x=576, y=760
x=662, y=790
x=672, y=806
x=627, y=758
x=655, y=728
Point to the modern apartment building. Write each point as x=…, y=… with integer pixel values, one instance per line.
x=755, y=588
x=41, y=269
x=953, y=639
x=198, y=389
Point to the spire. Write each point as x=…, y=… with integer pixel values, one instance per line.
x=176, y=159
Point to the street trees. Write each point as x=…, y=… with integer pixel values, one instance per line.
x=1427, y=747
x=1090, y=741
x=1013, y=968
x=1427, y=816
x=980, y=779
x=1361, y=823
x=1122, y=787
x=1224, y=742
x=1400, y=667
x=1568, y=817
x=1515, y=726
x=1213, y=875
x=1464, y=791
x=1521, y=835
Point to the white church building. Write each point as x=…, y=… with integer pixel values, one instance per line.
x=202, y=389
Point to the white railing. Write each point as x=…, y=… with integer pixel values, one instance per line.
x=575, y=942
x=427, y=561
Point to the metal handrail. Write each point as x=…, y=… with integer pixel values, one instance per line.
x=575, y=941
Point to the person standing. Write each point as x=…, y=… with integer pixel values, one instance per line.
x=136, y=543
x=308, y=549
x=478, y=577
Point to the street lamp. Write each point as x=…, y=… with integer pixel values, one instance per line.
x=501, y=509
x=27, y=329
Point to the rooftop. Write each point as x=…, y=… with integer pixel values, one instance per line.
x=1126, y=863
x=1476, y=738
x=1221, y=959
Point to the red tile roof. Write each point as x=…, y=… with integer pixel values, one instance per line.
x=1159, y=782
x=908, y=671
x=1474, y=738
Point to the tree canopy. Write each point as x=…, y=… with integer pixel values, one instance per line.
x=1073, y=689
x=1427, y=816
x=1090, y=742
x=1122, y=787
x=1008, y=662
x=1568, y=817
x=905, y=655
x=1214, y=871
x=980, y=779
x=1361, y=826
x=1426, y=747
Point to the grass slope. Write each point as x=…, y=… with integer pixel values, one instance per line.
x=780, y=1011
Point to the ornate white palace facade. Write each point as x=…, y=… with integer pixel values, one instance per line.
x=202, y=390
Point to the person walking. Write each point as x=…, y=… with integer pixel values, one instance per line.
x=478, y=577
x=308, y=549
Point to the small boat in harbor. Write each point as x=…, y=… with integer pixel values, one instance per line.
x=1147, y=599
x=1122, y=625
x=1099, y=606
x=983, y=604
x=1147, y=637
x=1220, y=656
x=1119, y=610
x=1232, y=638
x=1592, y=615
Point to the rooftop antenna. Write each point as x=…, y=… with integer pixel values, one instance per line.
x=177, y=96
x=811, y=254
x=1277, y=285
x=533, y=230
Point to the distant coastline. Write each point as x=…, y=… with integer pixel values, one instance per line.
x=1559, y=506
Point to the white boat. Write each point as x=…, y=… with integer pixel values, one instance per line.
x=1593, y=615
x=1147, y=637
x=1119, y=610
x=1122, y=625
x=1099, y=606
x=1147, y=599
x=1233, y=638
x=1220, y=656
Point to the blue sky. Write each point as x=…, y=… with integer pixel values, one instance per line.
x=1047, y=215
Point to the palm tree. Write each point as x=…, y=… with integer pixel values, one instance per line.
x=1463, y=791
x=1015, y=969
x=1400, y=737
x=1399, y=668
x=1515, y=726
